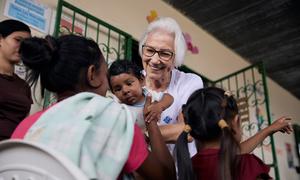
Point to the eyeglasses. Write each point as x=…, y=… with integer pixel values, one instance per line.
x=163, y=54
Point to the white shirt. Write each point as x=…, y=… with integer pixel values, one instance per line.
x=181, y=86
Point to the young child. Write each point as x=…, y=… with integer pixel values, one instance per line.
x=211, y=118
x=126, y=82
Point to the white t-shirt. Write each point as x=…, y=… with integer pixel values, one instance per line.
x=182, y=85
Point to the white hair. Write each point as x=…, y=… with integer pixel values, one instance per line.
x=170, y=25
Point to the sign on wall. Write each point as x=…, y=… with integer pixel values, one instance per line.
x=31, y=12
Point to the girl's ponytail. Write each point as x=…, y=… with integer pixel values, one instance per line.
x=38, y=54
x=184, y=163
x=229, y=149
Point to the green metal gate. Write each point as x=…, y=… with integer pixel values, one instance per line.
x=250, y=89
x=113, y=42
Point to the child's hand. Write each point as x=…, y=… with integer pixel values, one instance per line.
x=154, y=111
x=282, y=124
x=150, y=111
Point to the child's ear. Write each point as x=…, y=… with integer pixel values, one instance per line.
x=236, y=120
x=93, y=77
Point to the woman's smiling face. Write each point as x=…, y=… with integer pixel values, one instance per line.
x=157, y=68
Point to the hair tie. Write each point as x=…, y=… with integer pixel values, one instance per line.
x=187, y=128
x=222, y=124
x=228, y=93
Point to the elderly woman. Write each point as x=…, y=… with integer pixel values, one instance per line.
x=162, y=48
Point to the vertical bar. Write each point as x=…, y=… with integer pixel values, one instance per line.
x=119, y=46
x=228, y=80
x=237, y=87
x=245, y=85
x=254, y=87
x=129, y=47
x=73, y=21
x=86, y=25
x=256, y=106
x=98, y=31
x=128, y=52
x=58, y=18
x=108, y=45
x=269, y=119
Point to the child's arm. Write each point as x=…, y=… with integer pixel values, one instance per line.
x=154, y=110
x=282, y=124
x=159, y=164
x=166, y=101
x=160, y=153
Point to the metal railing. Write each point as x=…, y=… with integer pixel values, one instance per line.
x=113, y=41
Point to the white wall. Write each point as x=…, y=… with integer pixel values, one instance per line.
x=213, y=61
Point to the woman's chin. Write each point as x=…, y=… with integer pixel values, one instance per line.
x=154, y=76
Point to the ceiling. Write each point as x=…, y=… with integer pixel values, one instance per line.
x=258, y=30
